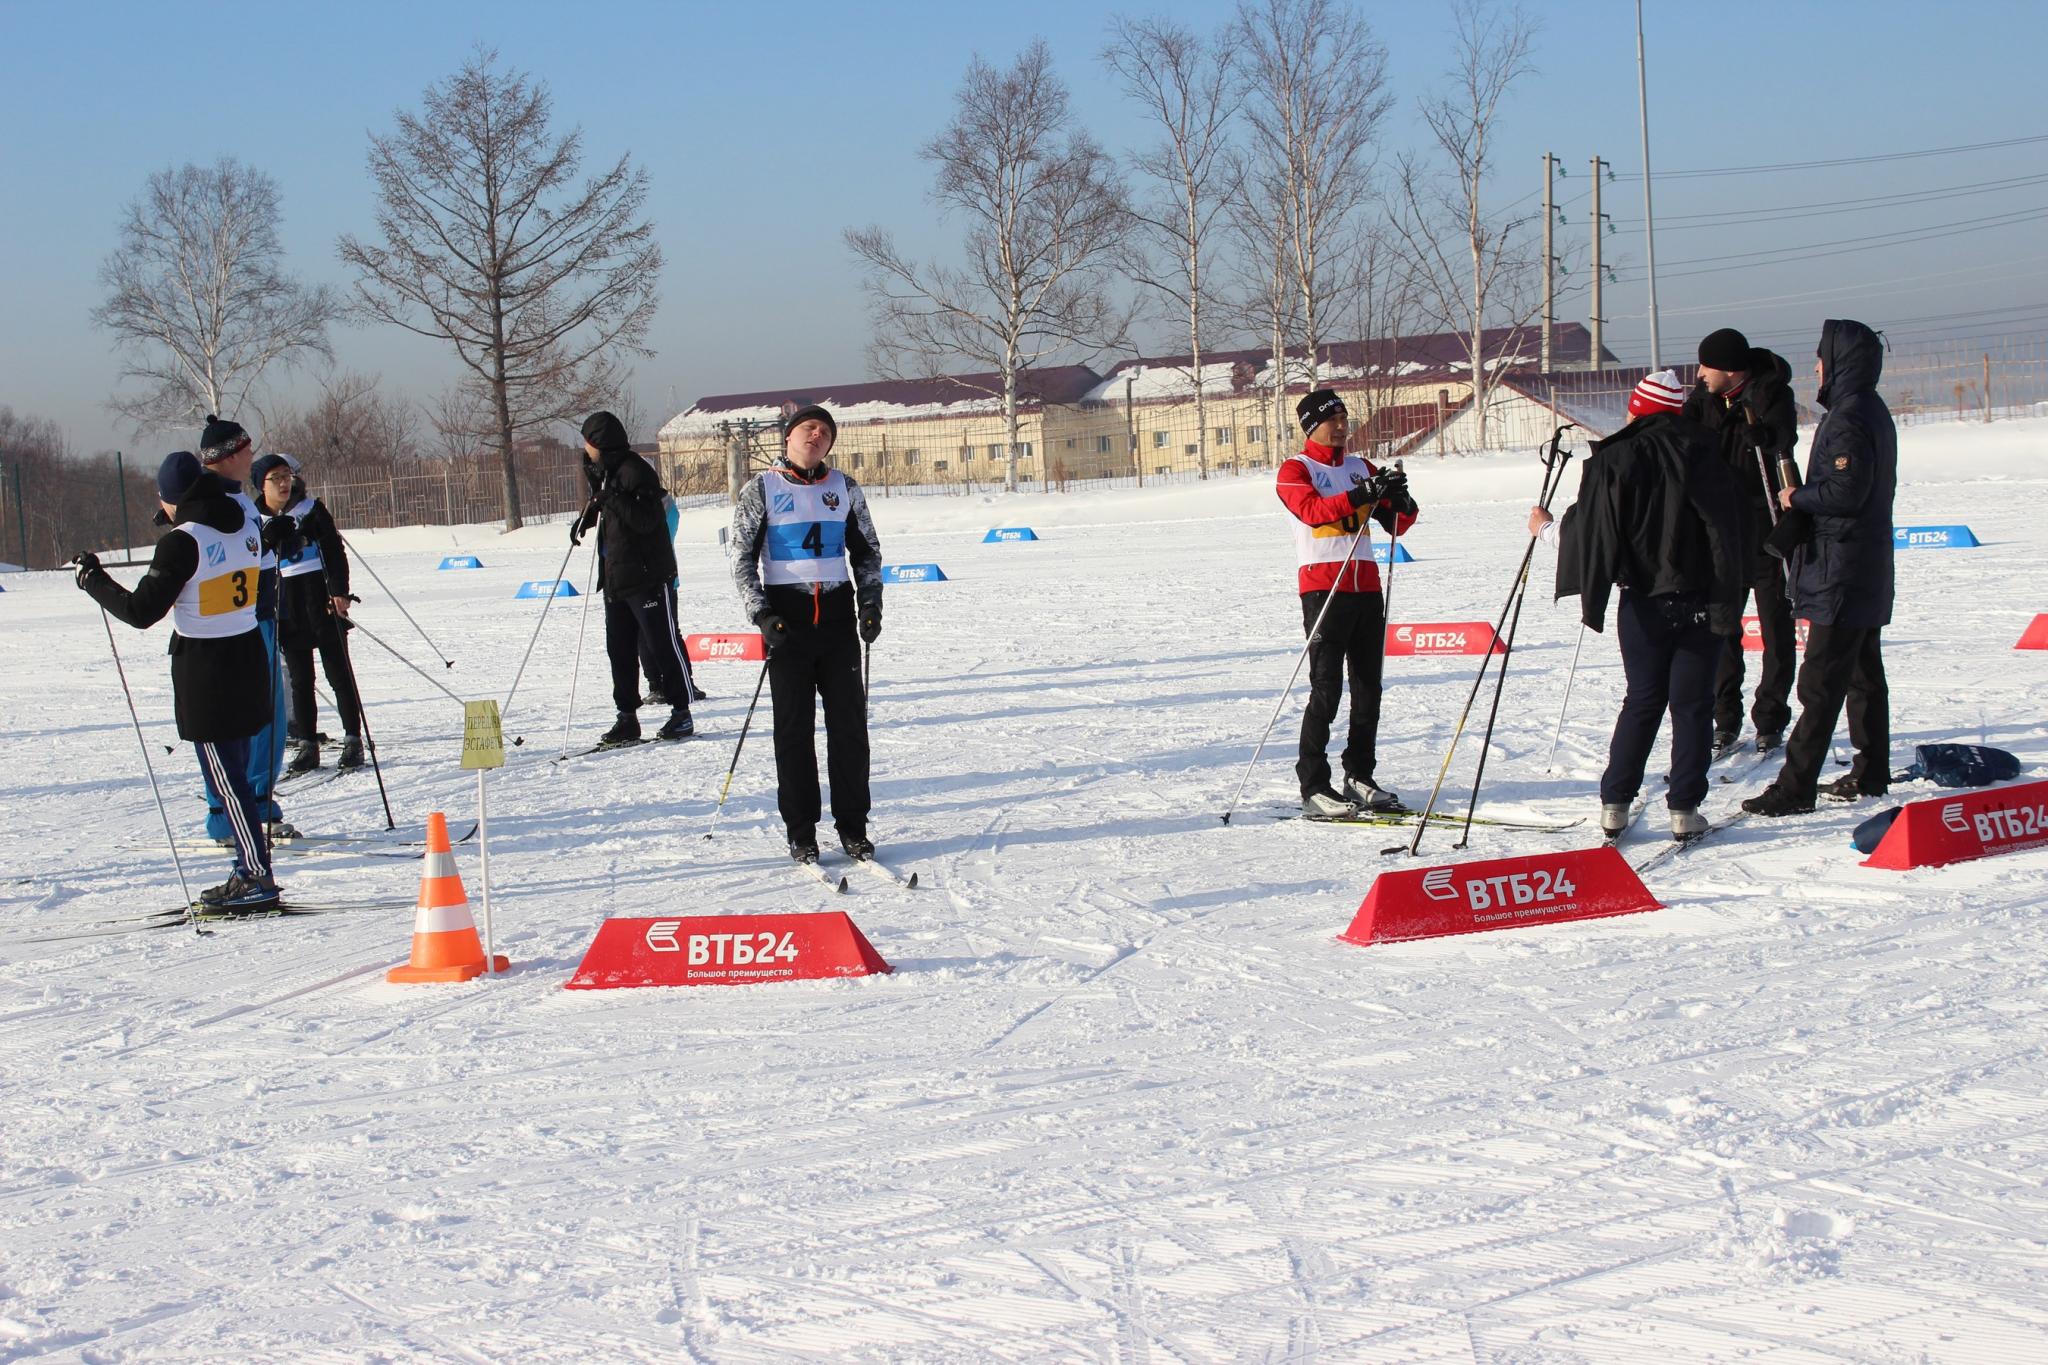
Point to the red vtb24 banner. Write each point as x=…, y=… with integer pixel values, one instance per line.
x=1955, y=829
x=1444, y=637
x=1498, y=893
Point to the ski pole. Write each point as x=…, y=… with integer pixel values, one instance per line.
x=582, y=624
x=1387, y=594
x=431, y=679
x=746, y=724
x=363, y=715
x=1500, y=677
x=1295, y=676
x=867, y=670
x=1552, y=474
x=507, y=707
x=1566, y=703
x=446, y=662
x=170, y=841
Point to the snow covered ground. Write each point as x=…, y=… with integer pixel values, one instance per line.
x=1126, y=1096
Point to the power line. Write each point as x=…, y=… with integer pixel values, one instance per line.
x=1840, y=161
x=1846, y=246
x=1692, y=222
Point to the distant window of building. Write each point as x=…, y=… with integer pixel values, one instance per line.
x=910, y=457
x=1104, y=444
x=939, y=466
x=1254, y=435
x=853, y=459
x=1223, y=436
x=883, y=459
x=1158, y=440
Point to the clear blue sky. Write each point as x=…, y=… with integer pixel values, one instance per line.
x=767, y=129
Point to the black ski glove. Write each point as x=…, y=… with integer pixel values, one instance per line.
x=280, y=535
x=583, y=522
x=88, y=564
x=774, y=630
x=870, y=624
x=1388, y=483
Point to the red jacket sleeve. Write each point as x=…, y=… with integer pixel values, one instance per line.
x=1300, y=498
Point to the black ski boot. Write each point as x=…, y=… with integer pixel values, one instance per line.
x=625, y=730
x=656, y=697
x=351, y=753
x=858, y=847
x=698, y=694
x=305, y=756
x=1772, y=802
x=281, y=830
x=804, y=850
x=241, y=895
x=1845, y=788
x=1725, y=742
x=1769, y=741
x=678, y=726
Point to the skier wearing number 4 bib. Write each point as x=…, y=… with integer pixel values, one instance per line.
x=1328, y=493
x=808, y=566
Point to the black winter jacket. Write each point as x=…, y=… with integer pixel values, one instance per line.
x=633, y=543
x=1763, y=417
x=220, y=688
x=1842, y=572
x=1658, y=513
x=306, y=619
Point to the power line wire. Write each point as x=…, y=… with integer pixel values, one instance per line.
x=1839, y=161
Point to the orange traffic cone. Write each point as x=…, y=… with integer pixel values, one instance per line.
x=444, y=942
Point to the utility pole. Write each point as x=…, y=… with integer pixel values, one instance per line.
x=121, y=492
x=1649, y=218
x=1595, y=321
x=1549, y=263
x=1131, y=428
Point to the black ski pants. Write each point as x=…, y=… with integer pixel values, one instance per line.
x=820, y=662
x=637, y=620
x=1771, y=712
x=341, y=677
x=1668, y=655
x=1843, y=664
x=652, y=653
x=1352, y=639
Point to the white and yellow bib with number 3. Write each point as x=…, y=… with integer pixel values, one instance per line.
x=219, y=599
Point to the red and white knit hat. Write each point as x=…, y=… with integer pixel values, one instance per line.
x=1659, y=392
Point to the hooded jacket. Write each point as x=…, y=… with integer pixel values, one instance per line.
x=634, y=549
x=1842, y=572
x=307, y=617
x=220, y=688
x=1761, y=418
x=1658, y=513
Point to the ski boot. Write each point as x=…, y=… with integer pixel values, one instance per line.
x=1772, y=803
x=625, y=730
x=280, y=831
x=1725, y=742
x=240, y=895
x=1369, y=795
x=1324, y=804
x=351, y=753
x=656, y=697
x=1613, y=819
x=304, y=756
x=678, y=725
x=1687, y=825
x=1769, y=741
x=858, y=847
x=1845, y=788
x=804, y=850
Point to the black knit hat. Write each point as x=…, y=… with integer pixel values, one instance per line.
x=805, y=414
x=221, y=440
x=1726, y=349
x=1318, y=408
x=260, y=467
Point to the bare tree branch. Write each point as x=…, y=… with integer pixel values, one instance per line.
x=1043, y=211
x=195, y=298
x=485, y=242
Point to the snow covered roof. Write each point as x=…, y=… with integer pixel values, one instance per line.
x=885, y=400
x=1443, y=353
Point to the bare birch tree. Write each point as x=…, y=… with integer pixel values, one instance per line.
x=489, y=244
x=1189, y=89
x=1317, y=94
x=1266, y=303
x=196, y=298
x=1467, y=266
x=1042, y=209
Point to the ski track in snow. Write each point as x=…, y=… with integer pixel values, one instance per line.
x=1126, y=1096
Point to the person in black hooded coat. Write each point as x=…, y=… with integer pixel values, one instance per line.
x=313, y=587
x=636, y=561
x=1841, y=576
x=1743, y=395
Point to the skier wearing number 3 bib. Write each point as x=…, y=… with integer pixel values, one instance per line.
x=809, y=570
x=1329, y=494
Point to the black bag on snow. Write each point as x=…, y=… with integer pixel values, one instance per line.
x=1962, y=765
